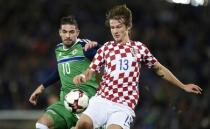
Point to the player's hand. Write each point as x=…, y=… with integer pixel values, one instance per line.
x=90, y=45
x=34, y=96
x=79, y=79
x=192, y=88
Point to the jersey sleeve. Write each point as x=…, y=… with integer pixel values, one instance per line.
x=98, y=60
x=147, y=56
x=51, y=79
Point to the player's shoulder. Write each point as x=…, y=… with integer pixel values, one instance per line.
x=107, y=45
x=60, y=45
x=82, y=41
x=137, y=43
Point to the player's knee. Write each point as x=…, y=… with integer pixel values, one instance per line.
x=84, y=123
x=45, y=122
x=114, y=126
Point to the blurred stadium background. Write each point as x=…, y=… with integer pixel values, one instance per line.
x=176, y=31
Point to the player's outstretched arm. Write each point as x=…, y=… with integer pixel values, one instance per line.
x=51, y=79
x=164, y=73
x=34, y=96
x=81, y=78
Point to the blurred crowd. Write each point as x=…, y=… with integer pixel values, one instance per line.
x=177, y=35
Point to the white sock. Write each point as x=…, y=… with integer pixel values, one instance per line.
x=41, y=126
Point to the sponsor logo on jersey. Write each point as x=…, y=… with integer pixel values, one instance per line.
x=60, y=54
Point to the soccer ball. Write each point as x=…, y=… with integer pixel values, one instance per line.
x=76, y=101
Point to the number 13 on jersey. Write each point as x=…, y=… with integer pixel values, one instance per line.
x=123, y=64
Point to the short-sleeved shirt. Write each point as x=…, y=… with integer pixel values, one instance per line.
x=121, y=63
x=71, y=62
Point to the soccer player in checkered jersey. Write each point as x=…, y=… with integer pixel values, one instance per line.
x=114, y=103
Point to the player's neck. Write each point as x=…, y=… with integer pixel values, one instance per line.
x=124, y=40
x=68, y=46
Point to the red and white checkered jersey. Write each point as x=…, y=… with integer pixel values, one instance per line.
x=121, y=63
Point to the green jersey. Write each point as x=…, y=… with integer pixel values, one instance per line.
x=72, y=62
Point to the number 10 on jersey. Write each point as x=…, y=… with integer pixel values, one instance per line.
x=66, y=68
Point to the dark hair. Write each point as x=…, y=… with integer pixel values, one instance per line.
x=120, y=12
x=69, y=20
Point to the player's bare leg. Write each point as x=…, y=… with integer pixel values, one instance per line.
x=45, y=122
x=114, y=126
x=84, y=122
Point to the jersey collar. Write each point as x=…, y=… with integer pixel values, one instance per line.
x=77, y=40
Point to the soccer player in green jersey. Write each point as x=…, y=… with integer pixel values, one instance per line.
x=73, y=56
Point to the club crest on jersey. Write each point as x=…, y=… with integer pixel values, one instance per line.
x=74, y=52
x=134, y=51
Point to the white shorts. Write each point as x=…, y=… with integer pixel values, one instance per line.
x=104, y=113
